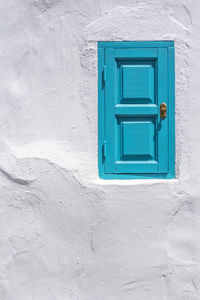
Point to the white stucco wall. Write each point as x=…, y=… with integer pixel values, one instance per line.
x=64, y=233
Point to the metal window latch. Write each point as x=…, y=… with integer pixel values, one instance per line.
x=163, y=110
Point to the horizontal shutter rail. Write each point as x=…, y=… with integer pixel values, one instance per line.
x=132, y=110
x=139, y=167
x=136, y=53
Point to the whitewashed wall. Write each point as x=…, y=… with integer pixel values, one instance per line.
x=64, y=233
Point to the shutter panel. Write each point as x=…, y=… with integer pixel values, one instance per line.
x=137, y=138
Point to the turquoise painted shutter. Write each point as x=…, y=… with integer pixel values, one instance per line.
x=136, y=82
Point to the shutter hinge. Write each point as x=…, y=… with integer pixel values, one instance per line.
x=104, y=73
x=104, y=149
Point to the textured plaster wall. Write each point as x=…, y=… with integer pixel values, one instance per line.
x=64, y=233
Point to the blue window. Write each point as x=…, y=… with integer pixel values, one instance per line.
x=136, y=110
